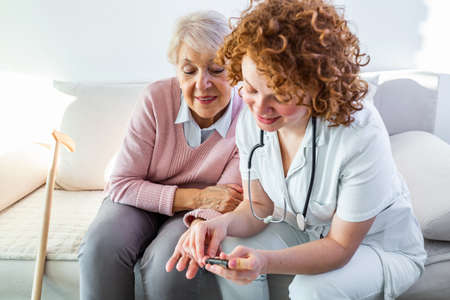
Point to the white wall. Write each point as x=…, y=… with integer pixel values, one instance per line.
x=127, y=40
x=114, y=40
x=93, y=40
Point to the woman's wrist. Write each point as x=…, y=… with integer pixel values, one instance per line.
x=185, y=199
x=265, y=261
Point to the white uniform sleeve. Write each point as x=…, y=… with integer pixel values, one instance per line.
x=367, y=174
x=246, y=131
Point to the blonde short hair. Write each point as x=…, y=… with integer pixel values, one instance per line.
x=201, y=30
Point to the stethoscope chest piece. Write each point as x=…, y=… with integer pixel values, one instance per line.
x=301, y=222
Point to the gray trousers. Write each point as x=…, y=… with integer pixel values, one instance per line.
x=122, y=236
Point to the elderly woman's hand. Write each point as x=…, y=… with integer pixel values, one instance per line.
x=222, y=198
x=180, y=259
x=202, y=239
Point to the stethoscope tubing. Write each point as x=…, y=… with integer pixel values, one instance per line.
x=313, y=169
x=270, y=218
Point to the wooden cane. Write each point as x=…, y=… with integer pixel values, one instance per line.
x=60, y=138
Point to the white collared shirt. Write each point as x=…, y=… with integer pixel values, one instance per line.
x=193, y=133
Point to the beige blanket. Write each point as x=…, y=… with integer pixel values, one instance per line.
x=71, y=214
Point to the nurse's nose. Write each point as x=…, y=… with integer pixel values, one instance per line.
x=261, y=105
x=203, y=80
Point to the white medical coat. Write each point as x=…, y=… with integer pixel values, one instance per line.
x=356, y=178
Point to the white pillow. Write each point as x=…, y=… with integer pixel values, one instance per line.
x=424, y=161
x=412, y=92
x=97, y=121
x=21, y=172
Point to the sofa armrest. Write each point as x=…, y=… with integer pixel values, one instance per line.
x=424, y=161
x=21, y=172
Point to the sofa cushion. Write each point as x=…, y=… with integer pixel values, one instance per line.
x=97, y=121
x=406, y=100
x=434, y=283
x=424, y=161
x=72, y=212
x=22, y=171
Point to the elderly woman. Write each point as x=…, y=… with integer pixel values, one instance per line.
x=179, y=155
x=324, y=201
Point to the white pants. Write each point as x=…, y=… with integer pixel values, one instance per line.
x=360, y=278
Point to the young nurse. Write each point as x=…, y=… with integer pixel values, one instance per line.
x=337, y=212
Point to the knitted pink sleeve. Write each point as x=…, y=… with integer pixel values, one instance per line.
x=128, y=183
x=231, y=173
x=202, y=213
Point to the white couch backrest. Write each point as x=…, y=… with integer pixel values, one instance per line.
x=98, y=119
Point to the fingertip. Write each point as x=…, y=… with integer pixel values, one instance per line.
x=189, y=275
x=232, y=264
x=179, y=267
x=169, y=265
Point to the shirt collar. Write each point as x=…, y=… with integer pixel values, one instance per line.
x=221, y=126
x=184, y=114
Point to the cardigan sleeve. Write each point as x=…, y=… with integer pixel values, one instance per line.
x=128, y=182
x=200, y=213
x=231, y=172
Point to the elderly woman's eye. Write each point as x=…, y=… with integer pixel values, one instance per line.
x=188, y=70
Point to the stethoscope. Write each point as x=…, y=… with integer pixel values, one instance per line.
x=301, y=218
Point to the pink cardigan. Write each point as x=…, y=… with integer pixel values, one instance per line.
x=155, y=158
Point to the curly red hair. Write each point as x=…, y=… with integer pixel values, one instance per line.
x=306, y=52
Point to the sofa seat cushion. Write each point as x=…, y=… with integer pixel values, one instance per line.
x=61, y=280
x=437, y=251
x=434, y=283
x=424, y=161
x=71, y=214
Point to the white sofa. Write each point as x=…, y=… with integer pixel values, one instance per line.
x=97, y=120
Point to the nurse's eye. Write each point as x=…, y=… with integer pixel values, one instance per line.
x=250, y=90
x=281, y=100
x=217, y=70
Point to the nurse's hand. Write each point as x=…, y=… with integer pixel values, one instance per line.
x=245, y=265
x=181, y=260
